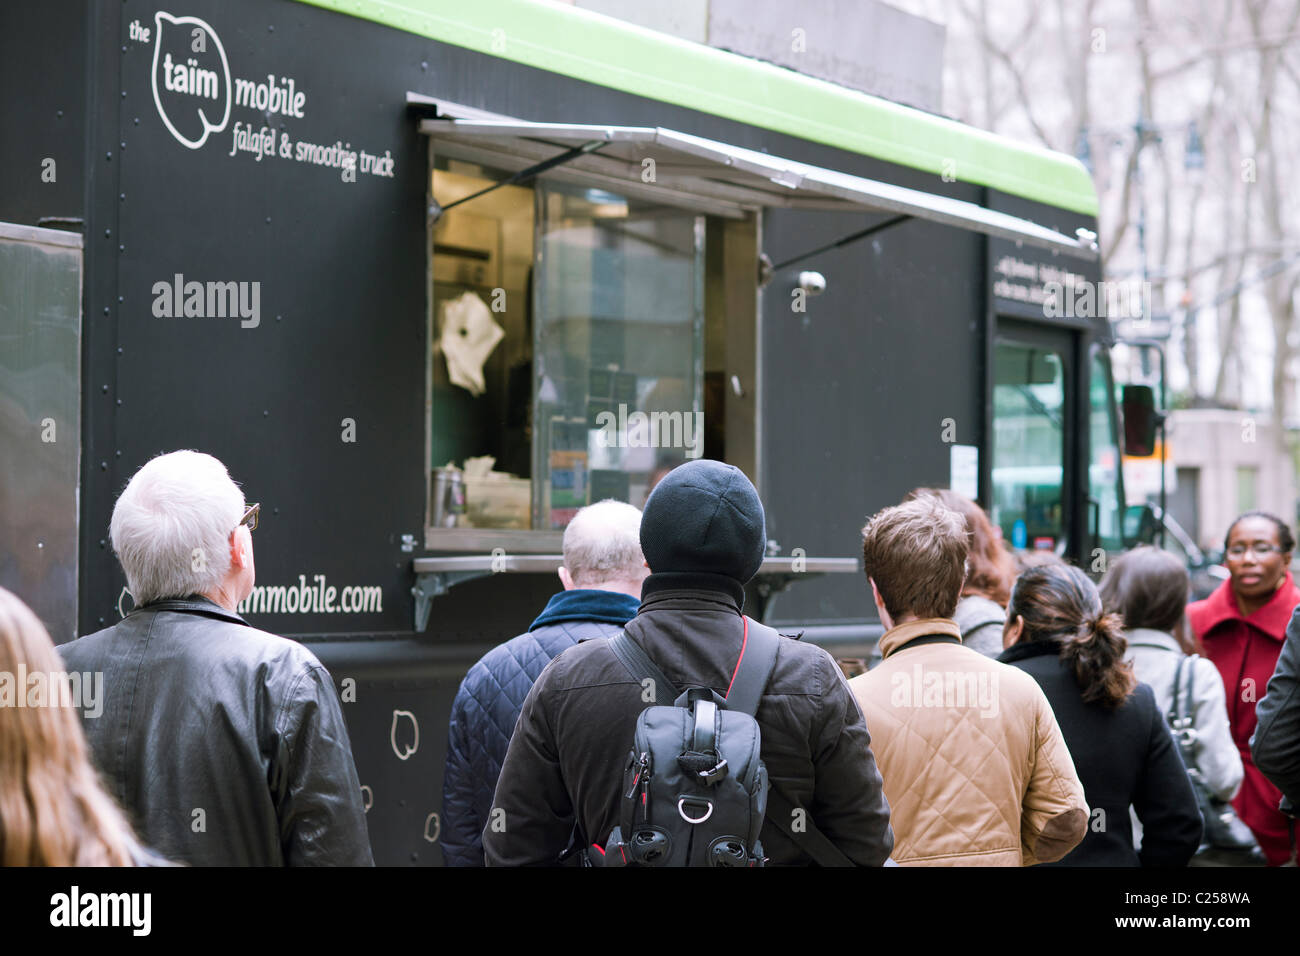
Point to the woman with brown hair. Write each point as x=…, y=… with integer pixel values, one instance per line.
x=53, y=810
x=1058, y=633
x=1148, y=588
x=990, y=570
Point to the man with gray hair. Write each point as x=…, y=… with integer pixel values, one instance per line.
x=602, y=574
x=225, y=744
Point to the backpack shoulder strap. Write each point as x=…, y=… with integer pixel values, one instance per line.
x=640, y=666
x=758, y=651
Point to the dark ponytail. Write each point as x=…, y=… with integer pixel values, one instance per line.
x=1059, y=603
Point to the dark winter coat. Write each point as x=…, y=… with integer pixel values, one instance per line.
x=570, y=747
x=487, y=706
x=1276, y=746
x=1124, y=756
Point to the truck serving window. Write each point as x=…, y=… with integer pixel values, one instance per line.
x=567, y=348
x=1028, y=445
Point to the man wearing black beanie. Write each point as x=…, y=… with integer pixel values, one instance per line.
x=703, y=536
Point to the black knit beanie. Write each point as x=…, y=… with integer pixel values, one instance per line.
x=704, y=516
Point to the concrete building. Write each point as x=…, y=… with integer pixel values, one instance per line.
x=1224, y=462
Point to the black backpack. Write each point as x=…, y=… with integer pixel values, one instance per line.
x=695, y=791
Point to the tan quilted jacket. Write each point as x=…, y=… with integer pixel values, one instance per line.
x=975, y=768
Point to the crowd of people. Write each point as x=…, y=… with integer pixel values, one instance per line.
x=1018, y=715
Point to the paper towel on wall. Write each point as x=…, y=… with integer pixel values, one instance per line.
x=469, y=335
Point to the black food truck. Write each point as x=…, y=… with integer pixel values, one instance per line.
x=430, y=277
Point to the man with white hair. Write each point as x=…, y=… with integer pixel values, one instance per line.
x=225, y=744
x=602, y=574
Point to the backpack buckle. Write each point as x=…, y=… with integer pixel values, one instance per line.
x=717, y=773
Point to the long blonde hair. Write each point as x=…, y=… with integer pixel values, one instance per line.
x=53, y=809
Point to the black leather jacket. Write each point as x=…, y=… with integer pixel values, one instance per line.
x=225, y=744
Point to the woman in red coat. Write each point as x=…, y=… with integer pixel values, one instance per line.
x=1242, y=626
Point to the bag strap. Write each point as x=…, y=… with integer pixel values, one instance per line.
x=639, y=665
x=757, y=660
x=812, y=841
x=1175, y=698
x=1180, y=711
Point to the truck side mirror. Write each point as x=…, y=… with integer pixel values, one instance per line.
x=1139, y=525
x=1140, y=420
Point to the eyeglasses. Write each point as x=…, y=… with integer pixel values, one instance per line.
x=250, y=516
x=1260, y=550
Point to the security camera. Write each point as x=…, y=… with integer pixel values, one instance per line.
x=812, y=283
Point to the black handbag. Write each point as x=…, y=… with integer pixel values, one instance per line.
x=1225, y=839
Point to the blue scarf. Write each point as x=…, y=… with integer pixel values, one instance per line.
x=588, y=604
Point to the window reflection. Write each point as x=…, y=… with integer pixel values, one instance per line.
x=618, y=348
x=1104, y=463
x=1028, y=445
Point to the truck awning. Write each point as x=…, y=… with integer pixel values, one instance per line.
x=721, y=178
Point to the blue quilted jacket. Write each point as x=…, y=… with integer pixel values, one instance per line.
x=486, y=708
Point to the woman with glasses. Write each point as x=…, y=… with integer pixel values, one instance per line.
x=1242, y=626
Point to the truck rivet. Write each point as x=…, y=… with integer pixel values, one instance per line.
x=104, y=388
x=103, y=466
x=107, y=233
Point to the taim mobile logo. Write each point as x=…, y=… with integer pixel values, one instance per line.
x=191, y=78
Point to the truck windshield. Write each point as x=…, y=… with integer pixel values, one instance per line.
x=1028, y=445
